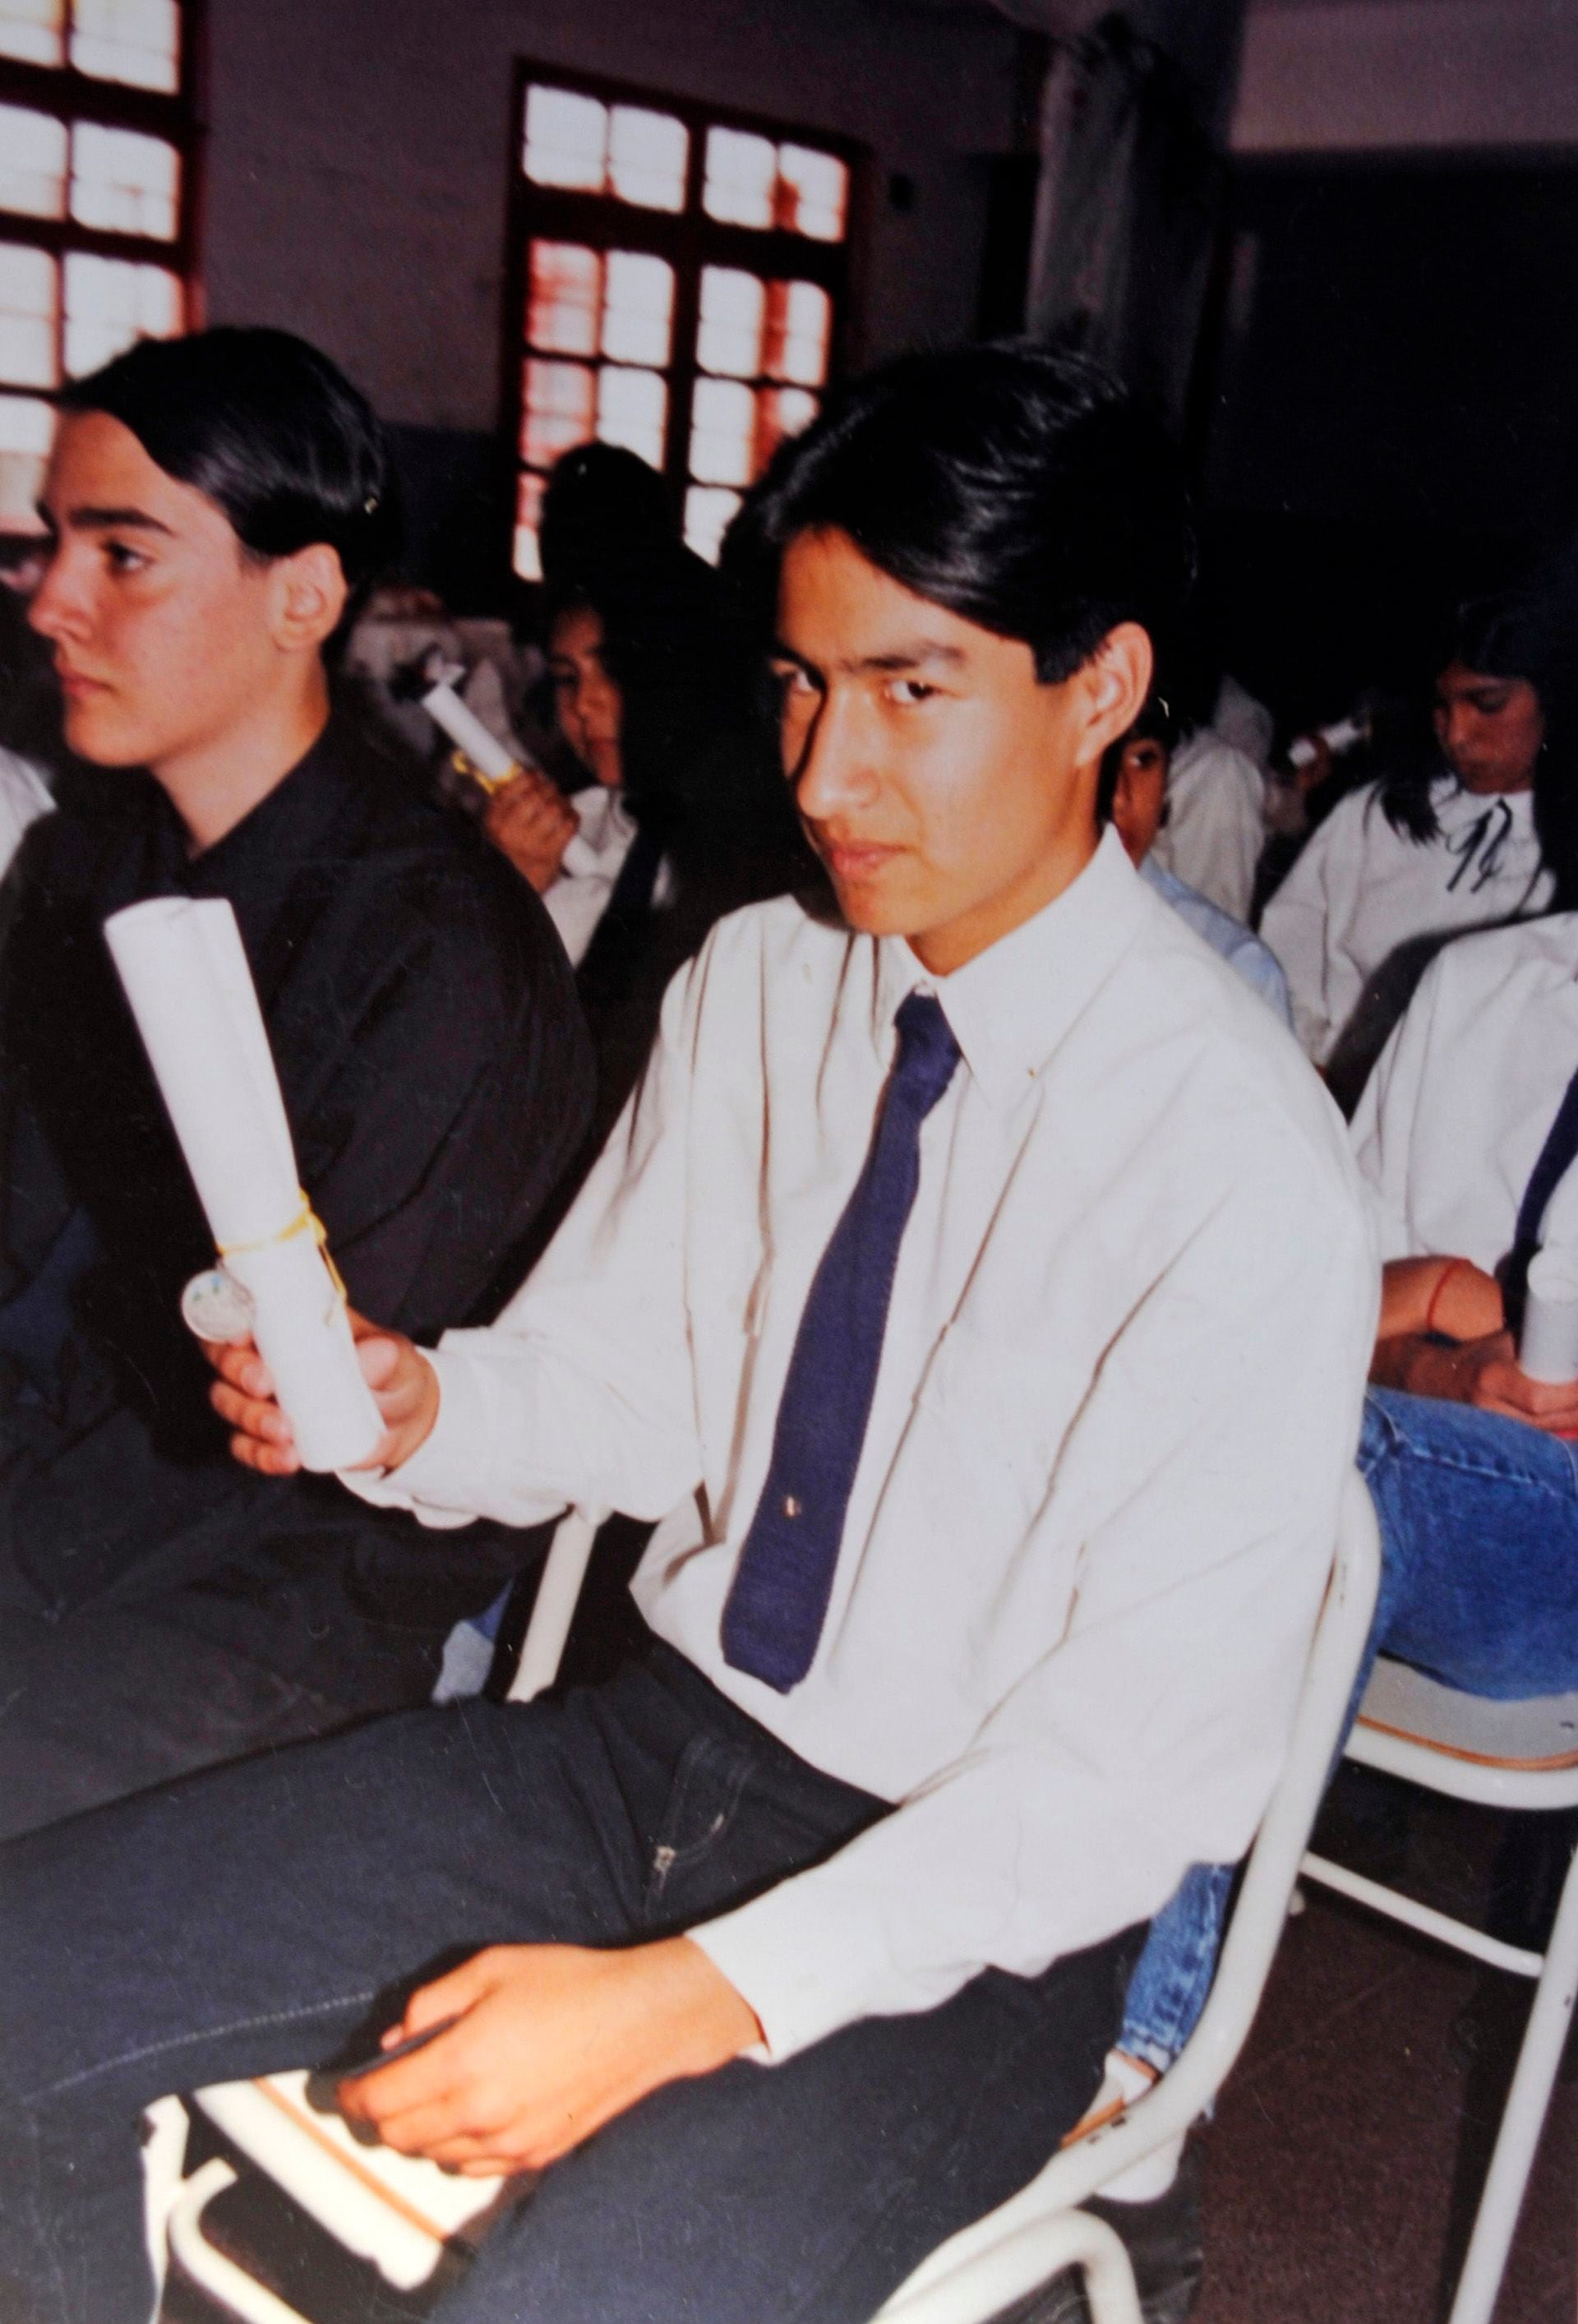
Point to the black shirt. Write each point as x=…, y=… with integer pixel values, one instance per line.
x=437, y=1079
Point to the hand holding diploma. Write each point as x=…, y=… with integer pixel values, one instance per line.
x=403, y=1383
x=186, y=976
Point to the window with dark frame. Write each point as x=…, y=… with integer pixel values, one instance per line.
x=680, y=285
x=98, y=151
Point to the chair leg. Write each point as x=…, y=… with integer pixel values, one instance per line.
x=1523, y=2117
x=209, y=2268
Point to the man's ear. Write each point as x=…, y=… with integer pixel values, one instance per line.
x=308, y=593
x=1114, y=684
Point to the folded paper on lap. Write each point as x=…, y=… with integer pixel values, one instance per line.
x=186, y=976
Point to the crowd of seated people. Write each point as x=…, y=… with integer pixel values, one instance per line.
x=877, y=1107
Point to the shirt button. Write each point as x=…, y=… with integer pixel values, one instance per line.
x=791, y=1506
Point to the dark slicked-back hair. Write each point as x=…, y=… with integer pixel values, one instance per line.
x=1025, y=491
x=270, y=431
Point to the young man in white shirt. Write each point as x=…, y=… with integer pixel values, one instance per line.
x=978, y=1290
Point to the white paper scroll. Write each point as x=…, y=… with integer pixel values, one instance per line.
x=1548, y=1348
x=492, y=762
x=186, y=976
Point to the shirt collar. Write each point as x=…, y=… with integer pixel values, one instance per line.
x=1010, y=1007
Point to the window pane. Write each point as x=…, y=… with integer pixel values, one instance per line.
x=136, y=42
x=742, y=171
x=631, y=409
x=33, y=30
x=110, y=302
x=799, y=320
x=722, y=432
x=813, y=193
x=638, y=318
x=28, y=295
x=124, y=182
x=559, y=406
x=566, y=140
x=708, y=512
x=781, y=411
x=26, y=426
x=33, y=163
x=729, y=339
x=528, y=514
x=647, y=154
x=566, y=299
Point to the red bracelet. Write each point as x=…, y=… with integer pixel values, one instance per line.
x=1442, y=1280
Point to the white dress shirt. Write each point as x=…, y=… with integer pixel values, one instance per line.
x=578, y=896
x=1360, y=889
x=24, y=795
x=1119, y=1387
x=1216, y=823
x=1453, y=1117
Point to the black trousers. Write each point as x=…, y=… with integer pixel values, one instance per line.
x=266, y=1914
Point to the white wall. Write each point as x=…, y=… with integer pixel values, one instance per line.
x=360, y=150
x=1368, y=76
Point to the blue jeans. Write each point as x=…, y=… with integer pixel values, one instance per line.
x=275, y=1913
x=1479, y=1587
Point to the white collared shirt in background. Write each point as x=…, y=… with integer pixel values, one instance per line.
x=1216, y=823
x=1119, y=1389
x=1453, y=1117
x=24, y=795
x=1242, y=951
x=1360, y=889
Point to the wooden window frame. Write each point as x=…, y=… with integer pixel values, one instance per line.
x=174, y=116
x=688, y=241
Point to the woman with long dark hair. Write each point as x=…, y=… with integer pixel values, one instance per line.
x=1481, y=829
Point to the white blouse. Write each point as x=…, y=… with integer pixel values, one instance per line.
x=1360, y=889
x=1455, y=1113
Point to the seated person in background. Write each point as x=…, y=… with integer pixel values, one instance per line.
x=684, y=819
x=978, y=1290
x=1132, y=796
x=214, y=503
x=27, y=744
x=1482, y=829
x=1472, y=1466
x=1216, y=823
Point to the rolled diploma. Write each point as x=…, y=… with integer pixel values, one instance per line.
x=1548, y=1347
x=493, y=762
x=186, y=976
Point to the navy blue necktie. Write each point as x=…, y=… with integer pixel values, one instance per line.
x=779, y=1599
x=1556, y=1154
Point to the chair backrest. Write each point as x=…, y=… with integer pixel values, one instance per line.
x=1270, y=1872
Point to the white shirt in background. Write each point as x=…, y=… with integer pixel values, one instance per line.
x=1119, y=1389
x=1239, y=719
x=1455, y=1115
x=1242, y=951
x=1216, y=823
x=24, y=795
x=1360, y=889
x=578, y=896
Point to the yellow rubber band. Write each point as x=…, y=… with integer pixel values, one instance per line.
x=307, y=1222
x=469, y=767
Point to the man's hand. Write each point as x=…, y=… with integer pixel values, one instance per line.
x=551, y=2041
x=404, y=1384
x=1482, y=1372
x=530, y=820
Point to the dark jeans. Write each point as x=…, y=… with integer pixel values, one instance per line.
x=263, y=1915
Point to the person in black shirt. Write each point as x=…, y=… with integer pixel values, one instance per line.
x=212, y=504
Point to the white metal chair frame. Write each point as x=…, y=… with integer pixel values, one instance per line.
x=1040, y=2231
x=1513, y=1755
